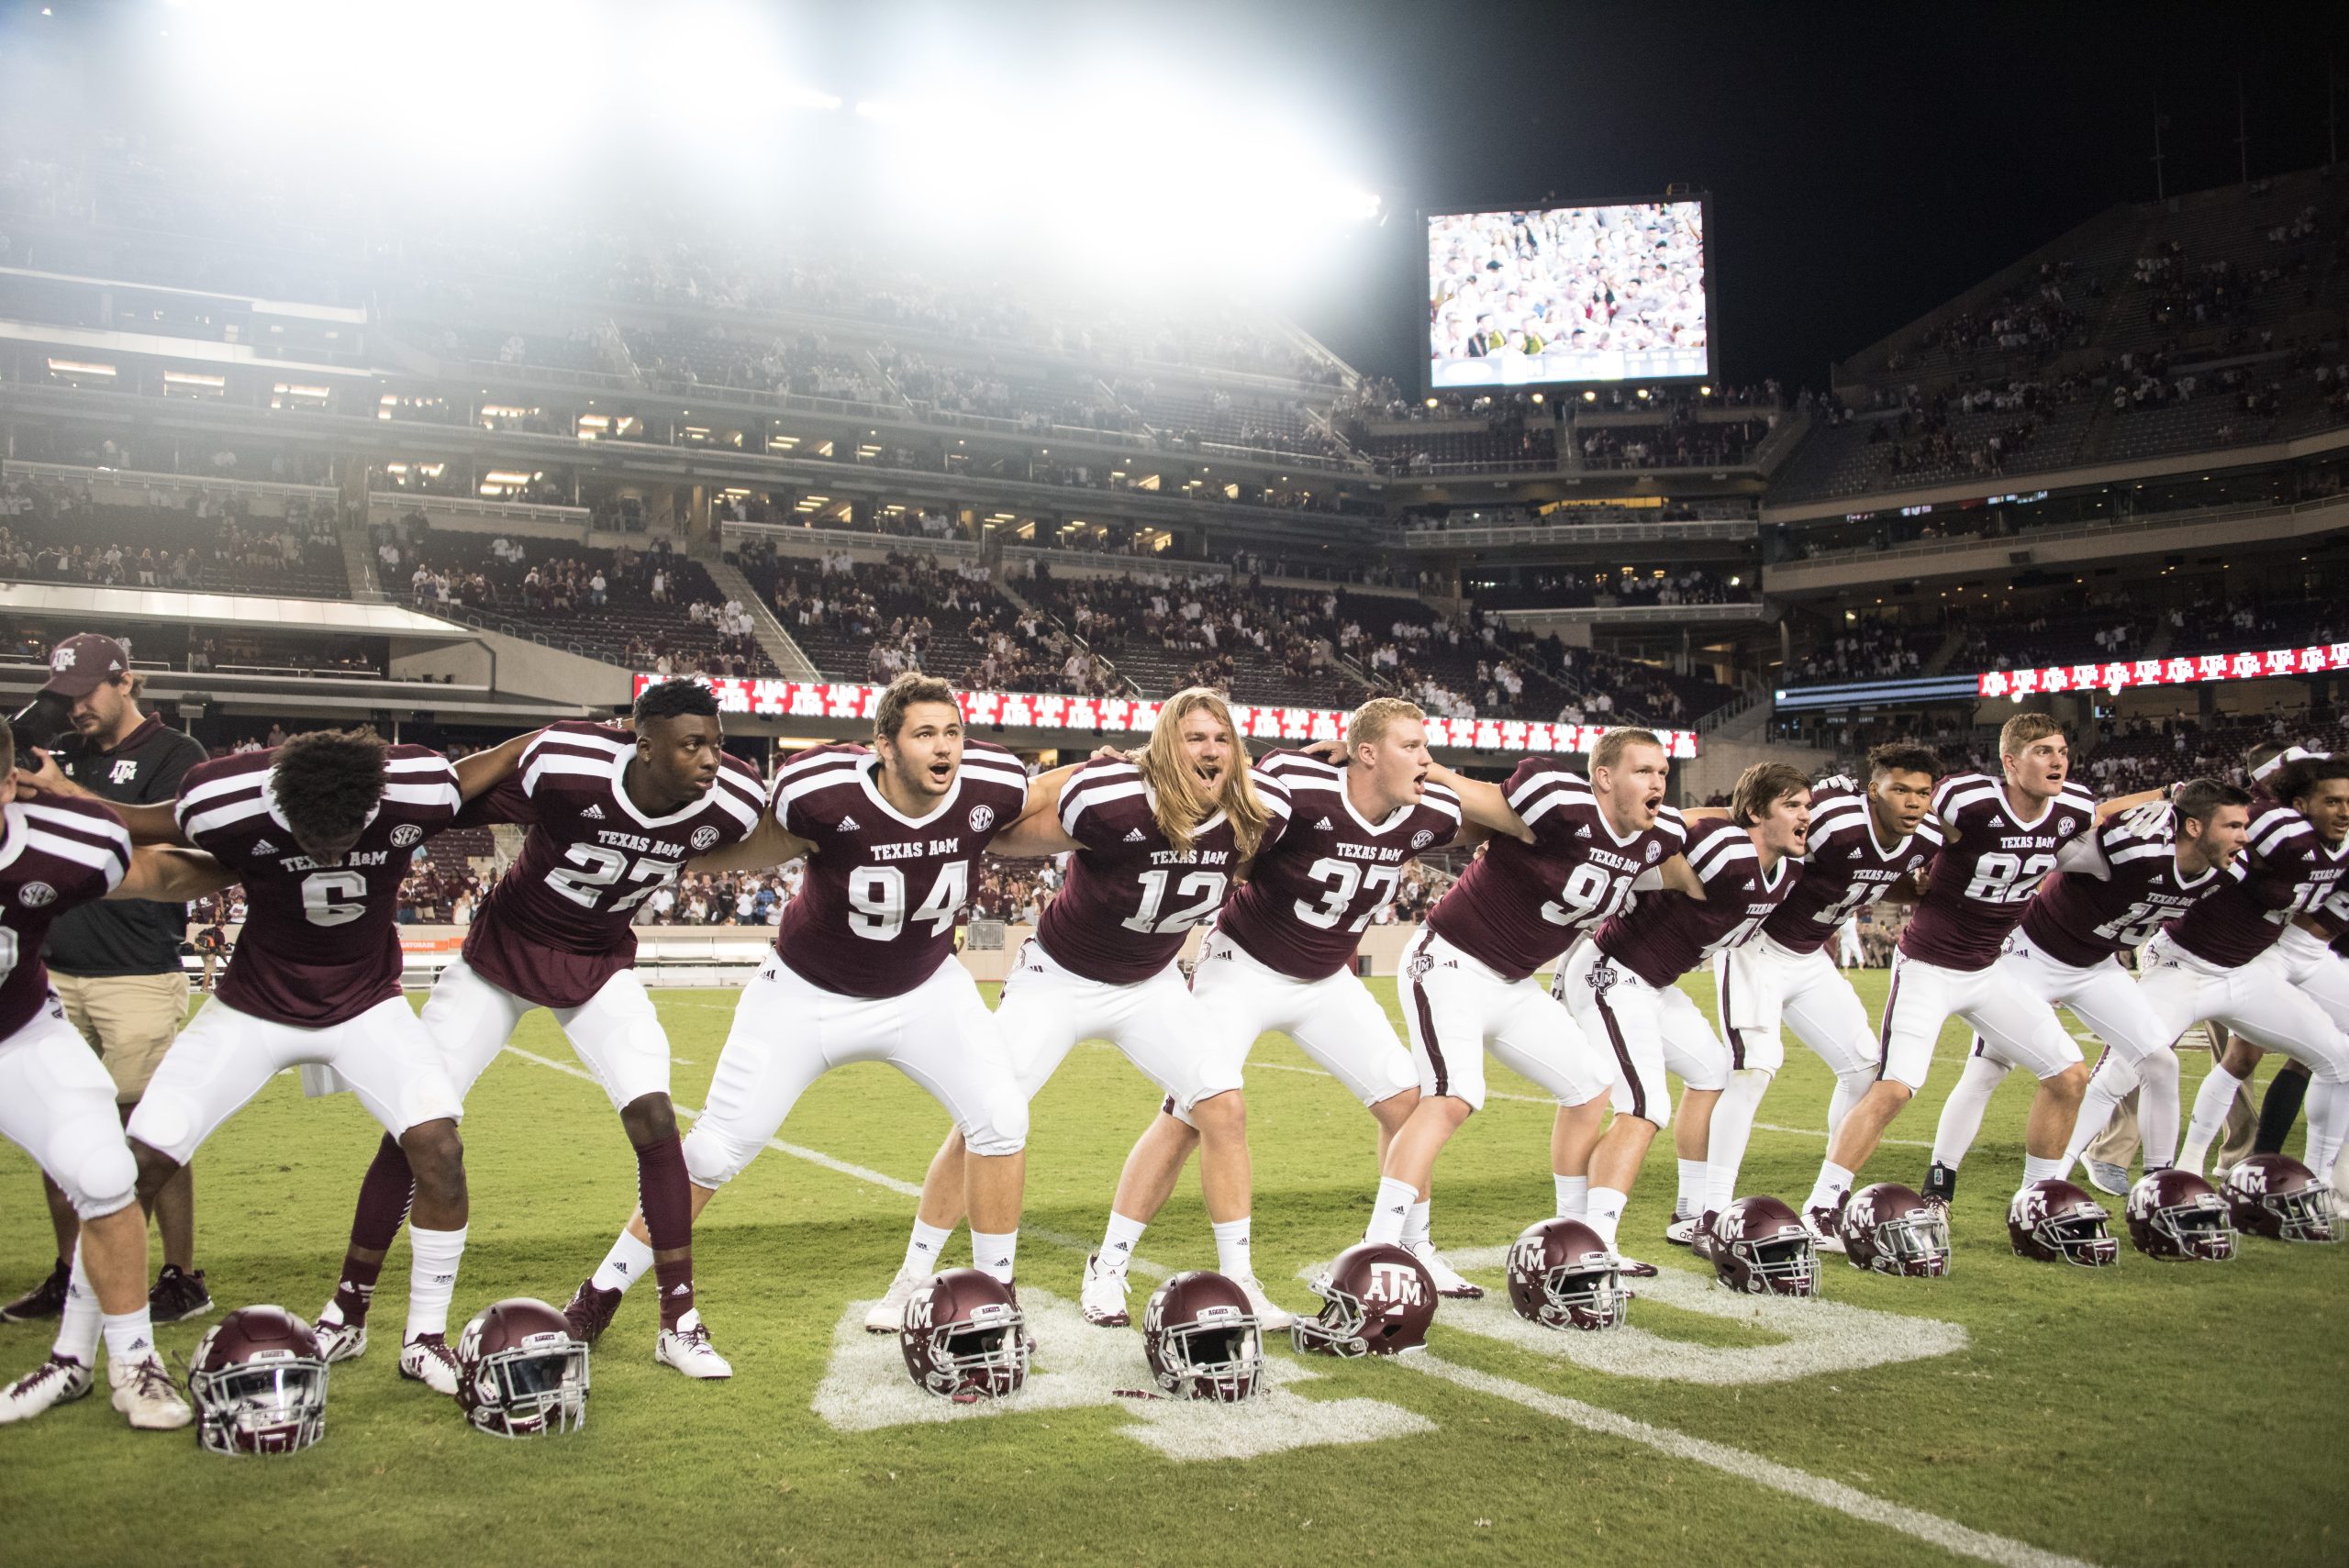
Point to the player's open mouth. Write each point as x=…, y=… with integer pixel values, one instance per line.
x=1209, y=774
x=939, y=773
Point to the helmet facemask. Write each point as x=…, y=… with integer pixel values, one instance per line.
x=532, y=1390
x=1914, y=1244
x=2079, y=1239
x=1221, y=1359
x=1786, y=1265
x=1339, y=1329
x=2309, y=1216
x=265, y=1406
x=1577, y=1295
x=984, y=1357
x=2198, y=1227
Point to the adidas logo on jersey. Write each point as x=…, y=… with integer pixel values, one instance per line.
x=264, y=847
x=594, y=813
x=848, y=825
x=1135, y=836
x=1583, y=831
x=1322, y=826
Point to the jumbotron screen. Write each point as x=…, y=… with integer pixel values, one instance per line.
x=1568, y=295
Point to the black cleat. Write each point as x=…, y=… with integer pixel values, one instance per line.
x=1940, y=1186
x=589, y=1311
x=178, y=1297
x=45, y=1300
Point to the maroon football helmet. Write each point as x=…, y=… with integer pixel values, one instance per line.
x=964, y=1336
x=2174, y=1214
x=1201, y=1339
x=1561, y=1275
x=2058, y=1223
x=519, y=1371
x=259, y=1383
x=1377, y=1300
x=1762, y=1248
x=2276, y=1196
x=1890, y=1230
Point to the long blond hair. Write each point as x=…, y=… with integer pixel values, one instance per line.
x=1178, y=803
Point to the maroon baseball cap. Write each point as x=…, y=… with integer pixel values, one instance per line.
x=83, y=662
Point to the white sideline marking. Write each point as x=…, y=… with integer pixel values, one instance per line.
x=1545, y=1100
x=1834, y=1496
x=1814, y=1338
x=1081, y=1367
x=1831, y=1494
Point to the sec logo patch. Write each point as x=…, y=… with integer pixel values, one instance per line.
x=35, y=895
x=982, y=818
x=406, y=836
x=1423, y=839
x=705, y=836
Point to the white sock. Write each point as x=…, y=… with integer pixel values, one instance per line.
x=1605, y=1216
x=993, y=1254
x=2035, y=1169
x=1829, y=1190
x=1690, y=1198
x=77, y=1327
x=1415, y=1225
x=923, y=1249
x=1232, y=1259
x=129, y=1337
x=2211, y=1103
x=433, y=1256
x=2328, y=1112
x=1117, y=1242
x=629, y=1261
x=1573, y=1195
x=1725, y=1143
x=1392, y=1207
x=1961, y=1115
x=1849, y=1087
x=2105, y=1090
x=2157, y=1077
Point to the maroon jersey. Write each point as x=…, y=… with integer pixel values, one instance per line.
x=1519, y=906
x=556, y=926
x=1666, y=935
x=1307, y=903
x=877, y=915
x=320, y=944
x=2285, y=871
x=2081, y=918
x=1987, y=870
x=1846, y=868
x=1130, y=897
x=60, y=852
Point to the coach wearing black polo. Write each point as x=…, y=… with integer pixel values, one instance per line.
x=116, y=965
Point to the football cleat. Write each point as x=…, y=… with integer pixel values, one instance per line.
x=341, y=1341
x=145, y=1392
x=1825, y=1227
x=1449, y=1281
x=60, y=1380
x=428, y=1359
x=1271, y=1316
x=1682, y=1231
x=686, y=1347
x=45, y=1300
x=1705, y=1241
x=589, y=1311
x=178, y=1295
x=888, y=1313
x=2106, y=1178
x=1632, y=1268
x=1104, y=1294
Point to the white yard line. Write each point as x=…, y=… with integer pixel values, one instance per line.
x=1834, y=1496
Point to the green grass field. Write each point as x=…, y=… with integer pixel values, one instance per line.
x=2014, y=1413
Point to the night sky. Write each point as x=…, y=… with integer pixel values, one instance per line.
x=1867, y=163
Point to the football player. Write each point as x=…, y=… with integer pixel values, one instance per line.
x=2112, y=891
x=1281, y=954
x=1862, y=846
x=1623, y=986
x=864, y=967
x=2000, y=837
x=2255, y=957
x=1158, y=838
x=321, y=831
x=613, y=815
x=57, y=1099
x=1568, y=852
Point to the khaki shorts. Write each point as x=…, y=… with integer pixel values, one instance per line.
x=129, y=1020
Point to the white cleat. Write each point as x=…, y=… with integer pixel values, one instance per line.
x=145, y=1392
x=60, y=1380
x=428, y=1359
x=2106, y=1178
x=1820, y=1223
x=1271, y=1318
x=1449, y=1281
x=888, y=1313
x=1682, y=1231
x=1104, y=1296
x=686, y=1347
x=342, y=1341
